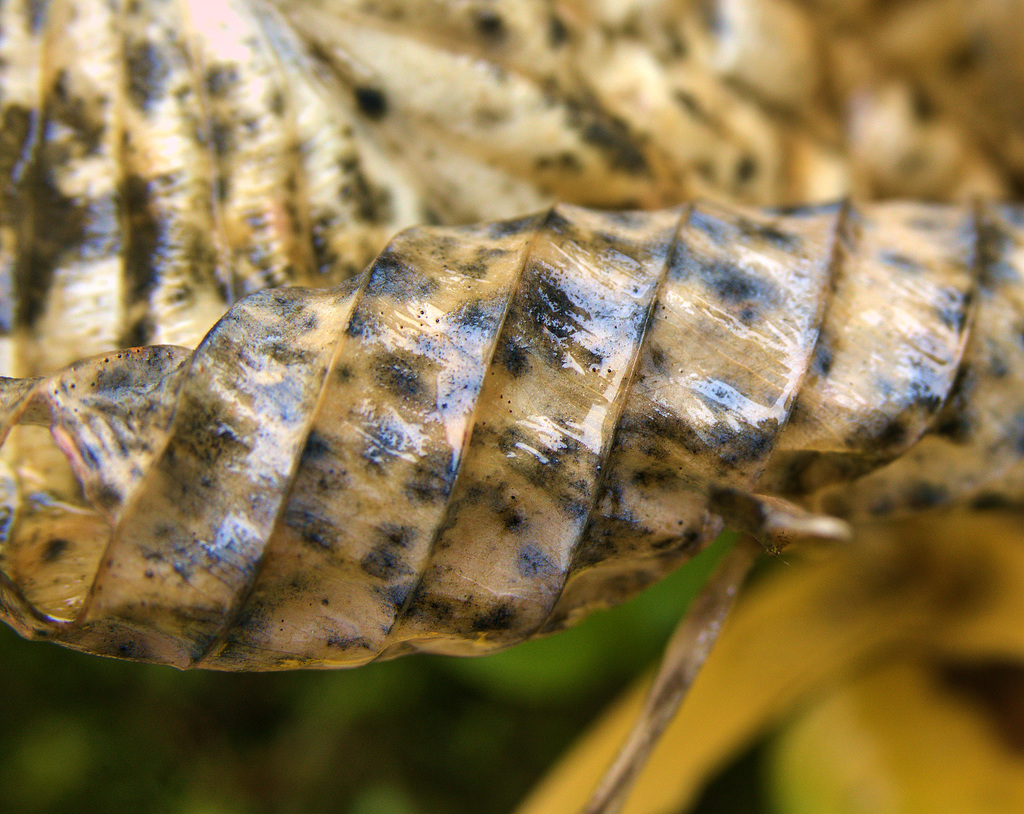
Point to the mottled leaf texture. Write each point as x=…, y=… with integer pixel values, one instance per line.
x=161, y=159
x=498, y=428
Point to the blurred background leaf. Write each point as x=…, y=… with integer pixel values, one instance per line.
x=883, y=677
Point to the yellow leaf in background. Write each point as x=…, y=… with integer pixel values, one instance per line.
x=896, y=740
x=943, y=586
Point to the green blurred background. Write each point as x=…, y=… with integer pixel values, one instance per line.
x=413, y=736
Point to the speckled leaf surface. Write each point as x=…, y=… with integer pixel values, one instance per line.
x=500, y=427
x=163, y=158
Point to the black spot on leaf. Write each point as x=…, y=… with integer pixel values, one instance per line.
x=532, y=562
x=372, y=102
x=147, y=72
x=55, y=549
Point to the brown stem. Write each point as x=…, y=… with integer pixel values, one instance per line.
x=685, y=653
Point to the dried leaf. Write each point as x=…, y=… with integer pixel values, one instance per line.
x=164, y=159
x=501, y=427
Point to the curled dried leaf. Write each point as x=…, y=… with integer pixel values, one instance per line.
x=162, y=160
x=500, y=427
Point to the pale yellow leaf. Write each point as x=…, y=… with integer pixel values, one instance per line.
x=895, y=741
x=944, y=584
